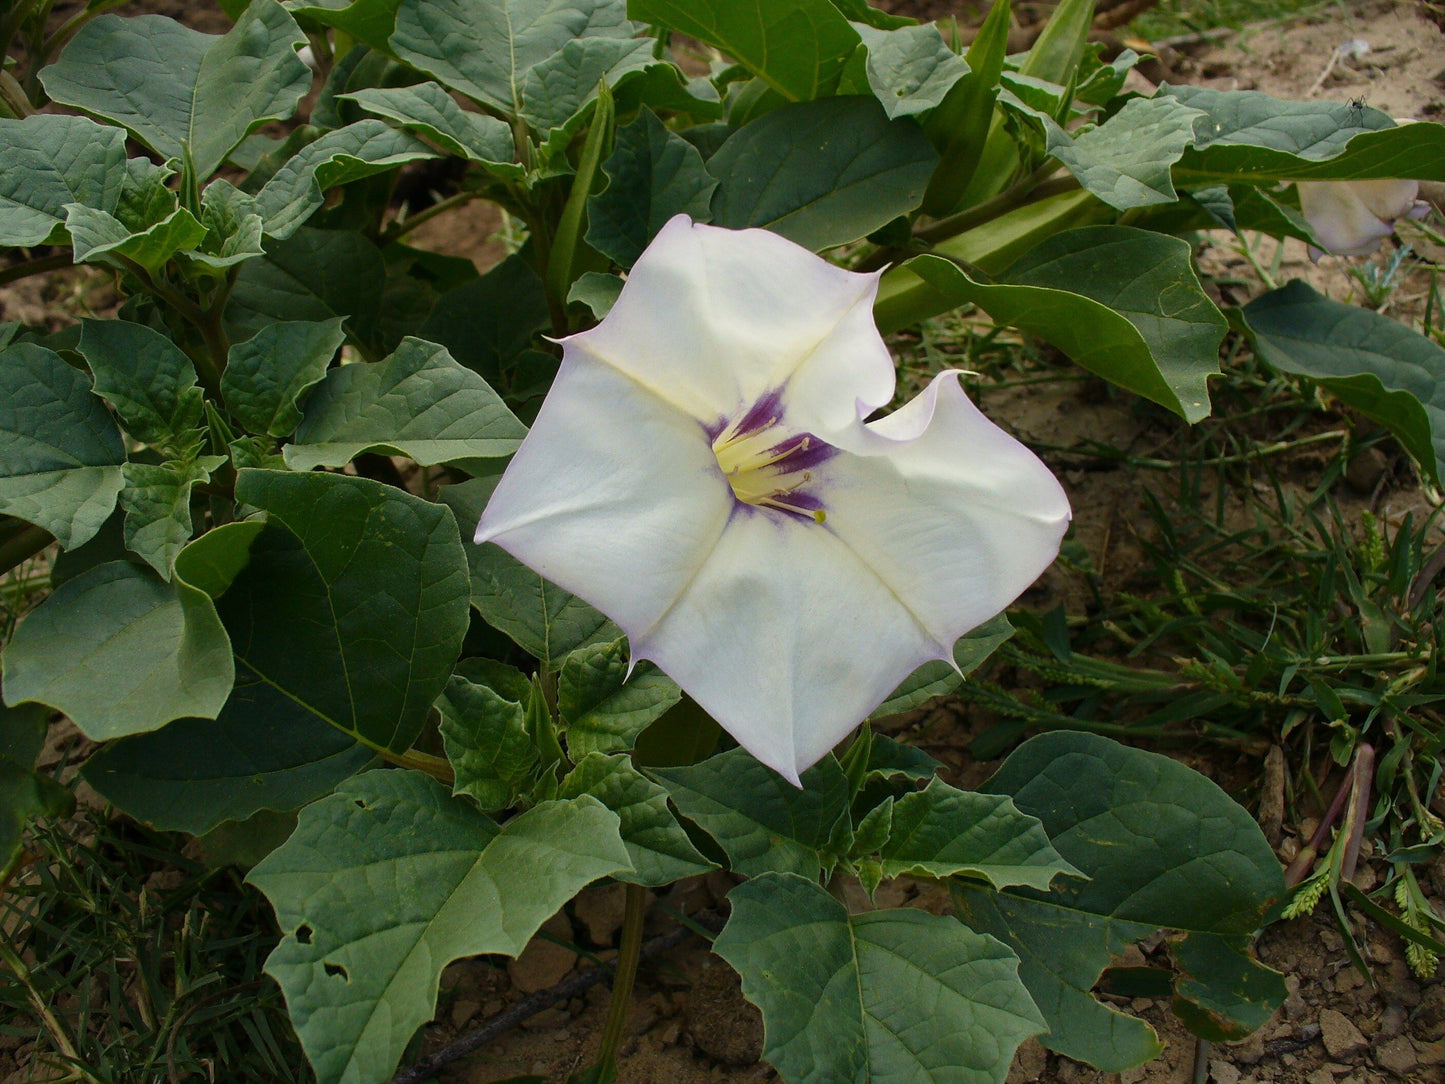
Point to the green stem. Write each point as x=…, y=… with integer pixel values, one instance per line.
x=14, y=102
x=23, y=545
x=628, y=954
x=1016, y=195
x=1278, y=448
x=38, y=266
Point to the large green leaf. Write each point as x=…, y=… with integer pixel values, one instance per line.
x=1376, y=365
x=391, y=879
x=1123, y=303
x=484, y=731
x=485, y=48
x=47, y=162
x=354, y=604
x=910, y=69
x=25, y=794
x=60, y=450
x=419, y=402
x=1126, y=161
x=652, y=174
x=146, y=377
x=1162, y=846
x=429, y=111
x=179, y=90
x=267, y=375
x=264, y=751
x=339, y=157
x=557, y=90
x=1249, y=136
x=942, y=831
x=545, y=621
x=605, y=702
x=657, y=845
x=798, y=48
x=312, y=275
x=821, y=173
x=879, y=997
x=368, y=21
x=121, y=651
x=970, y=651
x=763, y=822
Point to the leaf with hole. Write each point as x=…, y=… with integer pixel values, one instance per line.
x=389, y=880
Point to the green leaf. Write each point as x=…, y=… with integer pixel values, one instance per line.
x=179, y=90
x=1249, y=136
x=821, y=173
x=763, y=823
x=605, y=703
x=313, y=275
x=657, y=845
x=1162, y=846
x=264, y=751
x=932, y=679
x=146, y=377
x=1123, y=303
x=389, y=880
x=1373, y=364
x=488, y=322
x=798, y=48
x=485, y=735
x=558, y=90
x=911, y=69
x=102, y=238
x=942, y=831
x=596, y=290
x=430, y=112
x=25, y=794
x=1221, y=993
x=884, y=996
x=544, y=620
x=60, y=450
x=368, y=21
x=362, y=608
x=419, y=402
x=121, y=651
x=652, y=175
x=485, y=48
x=1126, y=161
x=47, y=162
x=157, y=503
x=339, y=157
x=268, y=375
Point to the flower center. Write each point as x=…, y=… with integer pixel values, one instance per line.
x=769, y=466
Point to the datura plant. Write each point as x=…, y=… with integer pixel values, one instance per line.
x=710, y=551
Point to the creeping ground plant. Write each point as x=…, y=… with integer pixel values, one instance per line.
x=711, y=551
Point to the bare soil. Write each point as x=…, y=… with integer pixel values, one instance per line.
x=689, y=1023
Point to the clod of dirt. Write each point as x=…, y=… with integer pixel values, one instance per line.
x=722, y=1023
x=1341, y=1038
x=543, y=963
x=600, y=910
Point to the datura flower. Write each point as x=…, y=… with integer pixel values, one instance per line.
x=1351, y=218
x=702, y=473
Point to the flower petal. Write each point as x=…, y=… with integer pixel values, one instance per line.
x=785, y=639
x=1341, y=219
x=614, y=495
x=955, y=516
x=713, y=320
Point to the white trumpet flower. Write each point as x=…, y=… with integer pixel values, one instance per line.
x=703, y=474
x=1351, y=218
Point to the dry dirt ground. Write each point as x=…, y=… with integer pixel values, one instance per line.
x=689, y=1023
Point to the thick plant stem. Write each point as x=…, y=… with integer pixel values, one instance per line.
x=37, y=266
x=23, y=544
x=627, y=957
